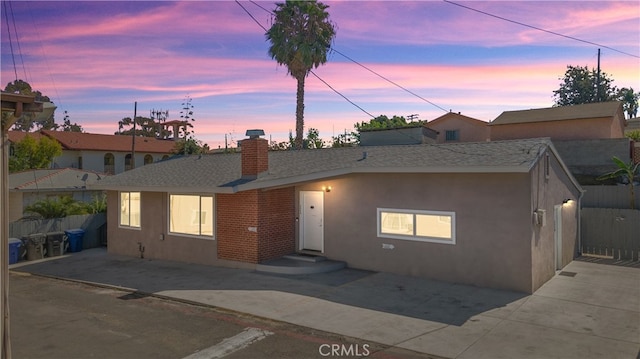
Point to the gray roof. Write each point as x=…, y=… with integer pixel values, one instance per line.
x=575, y=112
x=221, y=173
x=53, y=179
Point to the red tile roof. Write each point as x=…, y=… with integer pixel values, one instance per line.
x=99, y=142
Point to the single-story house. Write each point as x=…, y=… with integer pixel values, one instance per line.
x=30, y=186
x=500, y=214
x=601, y=120
x=456, y=127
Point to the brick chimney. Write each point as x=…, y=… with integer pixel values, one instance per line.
x=255, y=154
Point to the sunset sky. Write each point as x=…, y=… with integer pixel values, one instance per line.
x=95, y=59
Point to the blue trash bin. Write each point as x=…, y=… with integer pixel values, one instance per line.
x=14, y=250
x=75, y=239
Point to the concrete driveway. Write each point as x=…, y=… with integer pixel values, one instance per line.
x=588, y=310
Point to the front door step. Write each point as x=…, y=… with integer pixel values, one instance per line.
x=305, y=257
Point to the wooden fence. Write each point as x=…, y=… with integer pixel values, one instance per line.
x=611, y=232
x=94, y=226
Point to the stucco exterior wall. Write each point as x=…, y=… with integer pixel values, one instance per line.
x=153, y=235
x=469, y=131
x=493, y=226
x=546, y=193
x=583, y=129
x=94, y=160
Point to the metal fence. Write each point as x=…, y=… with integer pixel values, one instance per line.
x=609, y=197
x=611, y=232
x=94, y=226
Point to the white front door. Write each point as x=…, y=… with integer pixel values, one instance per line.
x=557, y=220
x=312, y=220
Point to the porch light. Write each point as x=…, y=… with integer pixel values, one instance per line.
x=567, y=201
x=326, y=189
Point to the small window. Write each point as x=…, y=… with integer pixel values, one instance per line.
x=79, y=162
x=130, y=209
x=109, y=164
x=191, y=214
x=128, y=162
x=148, y=159
x=427, y=226
x=452, y=135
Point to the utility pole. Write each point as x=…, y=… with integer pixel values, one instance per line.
x=598, y=79
x=133, y=139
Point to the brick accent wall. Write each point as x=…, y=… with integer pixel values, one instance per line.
x=235, y=213
x=255, y=156
x=276, y=223
x=636, y=152
x=271, y=213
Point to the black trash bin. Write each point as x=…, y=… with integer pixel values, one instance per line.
x=56, y=243
x=35, y=244
x=75, y=239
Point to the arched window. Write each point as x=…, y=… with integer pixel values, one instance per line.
x=109, y=164
x=128, y=162
x=165, y=157
x=148, y=159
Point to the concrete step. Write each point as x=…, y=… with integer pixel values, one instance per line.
x=296, y=265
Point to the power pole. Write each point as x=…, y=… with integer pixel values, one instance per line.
x=598, y=79
x=133, y=138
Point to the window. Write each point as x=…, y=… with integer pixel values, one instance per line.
x=428, y=226
x=191, y=214
x=109, y=164
x=128, y=162
x=130, y=209
x=148, y=159
x=452, y=135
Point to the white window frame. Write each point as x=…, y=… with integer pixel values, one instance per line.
x=213, y=215
x=415, y=237
x=129, y=226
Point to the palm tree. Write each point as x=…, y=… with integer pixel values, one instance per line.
x=627, y=171
x=300, y=37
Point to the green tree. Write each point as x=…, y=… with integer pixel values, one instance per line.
x=580, y=85
x=31, y=154
x=28, y=121
x=313, y=139
x=300, y=38
x=144, y=126
x=67, y=126
x=345, y=139
x=383, y=122
x=634, y=135
x=190, y=146
x=57, y=207
x=627, y=172
x=629, y=101
x=98, y=204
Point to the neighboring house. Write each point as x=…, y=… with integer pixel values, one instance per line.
x=455, y=127
x=398, y=136
x=102, y=153
x=28, y=187
x=602, y=120
x=586, y=136
x=498, y=214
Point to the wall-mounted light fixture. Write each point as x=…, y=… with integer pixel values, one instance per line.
x=567, y=201
x=326, y=189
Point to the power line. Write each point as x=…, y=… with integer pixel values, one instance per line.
x=352, y=60
x=15, y=69
x=311, y=71
x=388, y=80
x=539, y=29
x=343, y=96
